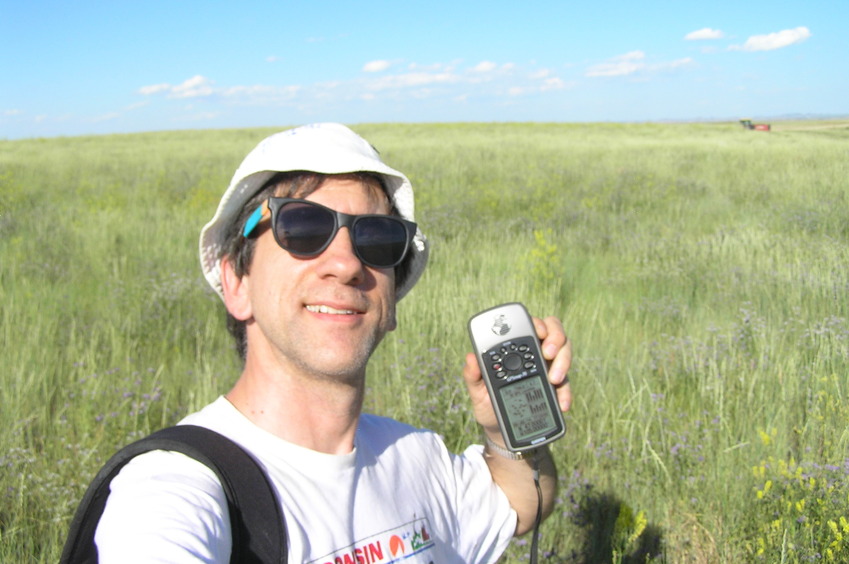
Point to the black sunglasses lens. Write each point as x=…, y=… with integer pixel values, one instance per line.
x=303, y=228
x=380, y=241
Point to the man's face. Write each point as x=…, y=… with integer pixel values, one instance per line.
x=321, y=315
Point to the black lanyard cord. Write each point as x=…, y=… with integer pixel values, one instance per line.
x=538, y=521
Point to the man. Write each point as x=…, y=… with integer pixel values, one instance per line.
x=310, y=249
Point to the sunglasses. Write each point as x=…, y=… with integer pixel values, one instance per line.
x=306, y=229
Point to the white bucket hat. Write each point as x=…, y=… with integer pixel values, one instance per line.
x=326, y=148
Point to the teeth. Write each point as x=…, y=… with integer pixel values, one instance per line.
x=326, y=309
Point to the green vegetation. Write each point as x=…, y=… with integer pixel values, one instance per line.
x=700, y=270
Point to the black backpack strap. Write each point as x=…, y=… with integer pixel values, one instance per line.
x=256, y=518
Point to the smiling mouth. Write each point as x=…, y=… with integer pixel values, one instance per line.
x=328, y=309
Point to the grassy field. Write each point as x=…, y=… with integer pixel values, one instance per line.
x=700, y=270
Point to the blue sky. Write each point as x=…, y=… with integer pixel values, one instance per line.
x=73, y=68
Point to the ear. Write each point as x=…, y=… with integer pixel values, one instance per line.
x=236, y=291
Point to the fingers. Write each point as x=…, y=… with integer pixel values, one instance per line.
x=564, y=395
x=471, y=370
x=481, y=403
x=556, y=348
x=551, y=335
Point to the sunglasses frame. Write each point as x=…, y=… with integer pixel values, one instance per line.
x=271, y=206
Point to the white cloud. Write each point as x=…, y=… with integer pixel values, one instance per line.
x=12, y=112
x=376, y=66
x=154, y=89
x=246, y=95
x=260, y=95
x=634, y=62
x=775, y=40
x=272, y=59
x=433, y=80
x=412, y=79
x=433, y=67
x=672, y=65
x=380, y=80
x=484, y=66
x=195, y=87
x=623, y=65
x=704, y=33
x=552, y=84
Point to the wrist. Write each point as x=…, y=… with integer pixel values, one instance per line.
x=492, y=447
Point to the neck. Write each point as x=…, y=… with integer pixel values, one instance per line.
x=318, y=412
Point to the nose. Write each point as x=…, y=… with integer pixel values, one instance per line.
x=339, y=260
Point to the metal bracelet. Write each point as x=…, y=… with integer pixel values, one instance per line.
x=495, y=448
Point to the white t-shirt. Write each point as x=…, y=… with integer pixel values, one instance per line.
x=399, y=495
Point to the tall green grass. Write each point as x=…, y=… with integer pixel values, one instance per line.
x=700, y=271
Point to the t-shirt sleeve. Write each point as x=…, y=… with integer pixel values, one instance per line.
x=484, y=513
x=164, y=507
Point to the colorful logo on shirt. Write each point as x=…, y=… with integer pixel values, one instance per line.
x=407, y=542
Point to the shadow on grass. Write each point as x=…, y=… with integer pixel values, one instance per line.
x=609, y=532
